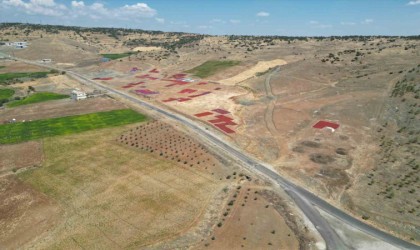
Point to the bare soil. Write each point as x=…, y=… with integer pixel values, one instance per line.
x=25, y=213
x=252, y=220
x=16, y=156
x=15, y=66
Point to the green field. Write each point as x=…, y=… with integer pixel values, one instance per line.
x=117, y=56
x=211, y=67
x=5, y=77
x=25, y=131
x=2, y=67
x=37, y=97
x=6, y=93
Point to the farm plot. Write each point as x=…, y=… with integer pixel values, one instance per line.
x=211, y=67
x=115, y=196
x=38, y=97
x=163, y=141
x=7, y=78
x=64, y=107
x=117, y=56
x=25, y=131
x=6, y=93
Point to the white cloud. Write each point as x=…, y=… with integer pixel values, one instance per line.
x=367, y=21
x=141, y=9
x=96, y=10
x=414, y=2
x=48, y=3
x=318, y=25
x=348, y=23
x=205, y=27
x=263, y=14
x=215, y=20
x=77, y=4
x=234, y=21
x=99, y=8
x=160, y=20
x=37, y=7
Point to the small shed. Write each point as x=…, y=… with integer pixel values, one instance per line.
x=78, y=95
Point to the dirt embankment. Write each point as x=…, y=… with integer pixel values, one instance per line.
x=261, y=66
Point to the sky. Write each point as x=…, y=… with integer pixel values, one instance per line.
x=226, y=17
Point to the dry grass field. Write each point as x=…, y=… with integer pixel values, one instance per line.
x=25, y=213
x=16, y=156
x=251, y=221
x=113, y=196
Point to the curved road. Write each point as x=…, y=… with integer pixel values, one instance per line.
x=305, y=200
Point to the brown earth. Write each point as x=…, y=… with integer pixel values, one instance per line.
x=14, y=66
x=252, y=219
x=25, y=213
x=16, y=156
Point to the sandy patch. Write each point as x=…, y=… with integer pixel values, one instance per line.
x=143, y=49
x=260, y=67
x=66, y=64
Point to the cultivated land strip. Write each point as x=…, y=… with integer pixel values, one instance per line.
x=303, y=198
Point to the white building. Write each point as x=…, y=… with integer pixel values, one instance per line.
x=78, y=95
x=20, y=45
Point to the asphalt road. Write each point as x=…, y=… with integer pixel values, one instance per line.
x=304, y=199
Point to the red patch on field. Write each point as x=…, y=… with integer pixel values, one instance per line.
x=170, y=99
x=176, y=82
x=202, y=83
x=103, y=78
x=203, y=114
x=145, y=92
x=204, y=93
x=179, y=76
x=323, y=124
x=154, y=71
x=221, y=111
x=177, y=99
x=130, y=85
x=187, y=91
x=224, y=128
x=222, y=122
x=147, y=76
x=223, y=119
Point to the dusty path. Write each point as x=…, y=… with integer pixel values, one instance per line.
x=268, y=115
x=270, y=107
